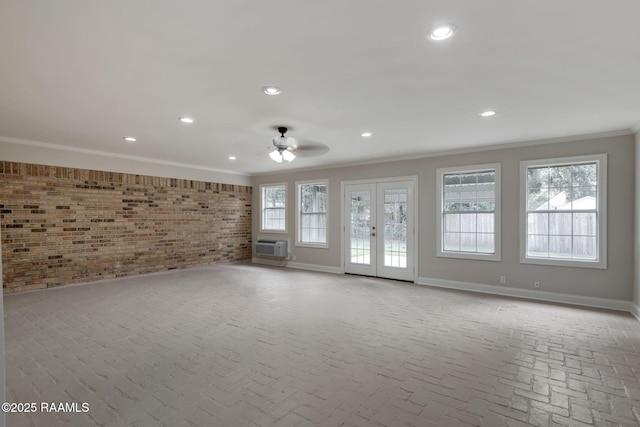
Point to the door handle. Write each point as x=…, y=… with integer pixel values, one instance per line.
x=373, y=234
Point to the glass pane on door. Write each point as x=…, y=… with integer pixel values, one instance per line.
x=360, y=227
x=395, y=227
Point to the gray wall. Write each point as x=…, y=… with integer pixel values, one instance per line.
x=636, y=287
x=616, y=282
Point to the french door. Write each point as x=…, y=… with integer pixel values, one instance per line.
x=379, y=229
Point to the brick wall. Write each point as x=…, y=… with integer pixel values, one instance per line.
x=64, y=225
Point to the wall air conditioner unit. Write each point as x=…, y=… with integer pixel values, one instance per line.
x=276, y=248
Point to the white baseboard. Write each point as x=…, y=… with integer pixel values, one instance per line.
x=611, y=304
x=315, y=267
x=635, y=310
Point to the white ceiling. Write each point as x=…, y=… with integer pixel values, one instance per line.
x=85, y=74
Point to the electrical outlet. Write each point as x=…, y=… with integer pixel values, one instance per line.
x=503, y=279
x=536, y=284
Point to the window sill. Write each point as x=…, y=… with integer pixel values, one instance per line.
x=601, y=265
x=274, y=231
x=473, y=256
x=313, y=245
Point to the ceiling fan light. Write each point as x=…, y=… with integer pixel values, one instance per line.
x=283, y=145
x=276, y=156
x=288, y=155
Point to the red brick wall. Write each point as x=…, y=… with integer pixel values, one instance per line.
x=64, y=225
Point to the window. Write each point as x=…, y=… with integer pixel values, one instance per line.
x=312, y=213
x=274, y=207
x=469, y=206
x=564, y=202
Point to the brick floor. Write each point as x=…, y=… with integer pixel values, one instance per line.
x=245, y=345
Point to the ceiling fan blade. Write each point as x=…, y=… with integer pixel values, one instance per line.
x=311, y=149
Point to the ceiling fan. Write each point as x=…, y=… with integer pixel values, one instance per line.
x=284, y=147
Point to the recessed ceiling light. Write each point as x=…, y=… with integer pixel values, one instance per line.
x=232, y=157
x=442, y=32
x=366, y=134
x=488, y=113
x=272, y=90
x=130, y=139
x=187, y=120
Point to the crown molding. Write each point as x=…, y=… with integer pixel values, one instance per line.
x=93, y=152
x=502, y=146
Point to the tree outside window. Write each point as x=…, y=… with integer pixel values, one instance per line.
x=312, y=211
x=274, y=204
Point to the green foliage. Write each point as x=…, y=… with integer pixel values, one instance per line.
x=313, y=198
x=470, y=191
x=468, y=206
x=575, y=181
x=275, y=196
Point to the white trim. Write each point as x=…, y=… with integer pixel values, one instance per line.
x=497, y=235
x=379, y=180
x=611, y=304
x=635, y=310
x=113, y=155
x=297, y=241
x=601, y=263
x=506, y=145
x=312, y=245
x=286, y=207
x=315, y=267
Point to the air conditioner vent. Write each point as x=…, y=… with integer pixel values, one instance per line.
x=275, y=248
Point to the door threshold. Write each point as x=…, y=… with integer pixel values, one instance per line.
x=378, y=277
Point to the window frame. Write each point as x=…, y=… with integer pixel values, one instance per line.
x=497, y=227
x=299, y=185
x=262, y=207
x=601, y=211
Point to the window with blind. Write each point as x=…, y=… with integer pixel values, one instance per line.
x=564, y=209
x=274, y=207
x=469, y=206
x=312, y=213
